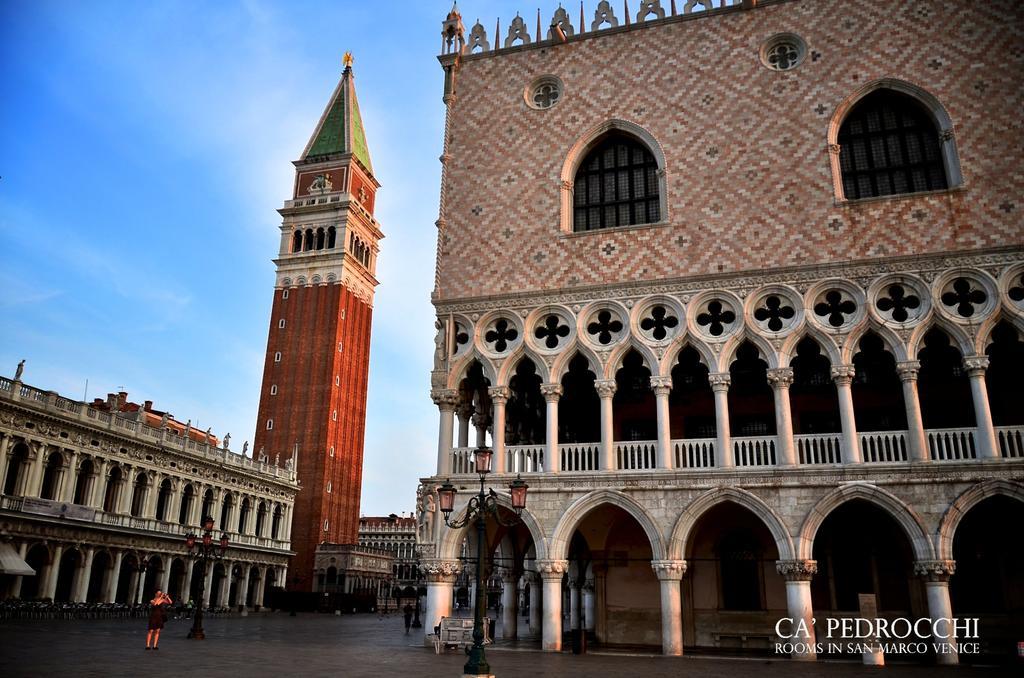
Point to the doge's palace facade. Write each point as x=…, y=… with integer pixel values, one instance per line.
x=739, y=291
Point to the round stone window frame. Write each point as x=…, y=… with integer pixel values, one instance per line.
x=537, y=83
x=779, y=38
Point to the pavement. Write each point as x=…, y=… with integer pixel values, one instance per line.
x=274, y=644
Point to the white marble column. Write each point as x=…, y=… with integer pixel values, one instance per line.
x=662, y=386
x=165, y=575
x=915, y=426
x=125, y=489
x=574, y=605
x=69, y=477
x=719, y=382
x=985, y=434
x=173, y=508
x=6, y=442
x=936, y=574
x=534, y=581
x=208, y=585
x=781, y=378
x=798, y=574
x=551, y=573
x=113, y=577
x=98, y=484
x=261, y=586
x=670, y=573
x=440, y=576
x=552, y=457
x=224, y=596
x=464, y=414
x=509, y=605
x=15, y=591
x=588, y=606
x=37, y=465
x=80, y=588
x=606, y=391
x=499, y=396
x=53, y=572
x=842, y=376
x=153, y=482
x=186, y=581
x=445, y=399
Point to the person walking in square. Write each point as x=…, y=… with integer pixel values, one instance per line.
x=157, y=617
x=407, y=613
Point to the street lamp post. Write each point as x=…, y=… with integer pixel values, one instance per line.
x=479, y=507
x=205, y=550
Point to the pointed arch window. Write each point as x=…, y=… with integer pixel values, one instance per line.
x=616, y=185
x=890, y=144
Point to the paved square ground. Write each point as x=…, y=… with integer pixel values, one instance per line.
x=363, y=645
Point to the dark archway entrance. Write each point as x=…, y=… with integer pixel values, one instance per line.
x=989, y=581
x=732, y=594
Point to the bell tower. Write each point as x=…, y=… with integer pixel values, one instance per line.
x=313, y=399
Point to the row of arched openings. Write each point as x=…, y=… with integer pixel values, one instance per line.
x=943, y=388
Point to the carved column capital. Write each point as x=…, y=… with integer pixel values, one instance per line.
x=605, y=387
x=797, y=570
x=908, y=369
x=440, y=571
x=833, y=149
x=661, y=386
x=780, y=377
x=552, y=569
x=499, y=394
x=669, y=570
x=566, y=185
x=843, y=374
x=551, y=392
x=935, y=570
x=530, y=577
x=445, y=398
x=719, y=381
x=976, y=365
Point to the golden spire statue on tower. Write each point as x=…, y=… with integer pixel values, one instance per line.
x=347, y=60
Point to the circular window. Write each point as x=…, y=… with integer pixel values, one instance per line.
x=544, y=92
x=783, y=52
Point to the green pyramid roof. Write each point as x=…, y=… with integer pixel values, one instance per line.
x=341, y=127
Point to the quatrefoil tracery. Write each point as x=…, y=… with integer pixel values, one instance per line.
x=604, y=328
x=659, y=322
x=1016, y=292
x=774, y=312
x=834, y=309
x=964, y=297
x=716, y=318
x=552, y=330
x=898, y=302
x=503, y=334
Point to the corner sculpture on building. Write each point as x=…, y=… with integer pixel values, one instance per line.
x=313, y=400
x=740, y=292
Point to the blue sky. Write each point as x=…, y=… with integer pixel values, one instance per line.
x=144, y=149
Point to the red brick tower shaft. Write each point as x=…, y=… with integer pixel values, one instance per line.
x=313, y=399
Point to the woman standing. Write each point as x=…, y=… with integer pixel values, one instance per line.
x=157, y=617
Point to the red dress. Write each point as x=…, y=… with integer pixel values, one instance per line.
x=157, y=617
